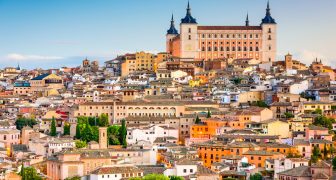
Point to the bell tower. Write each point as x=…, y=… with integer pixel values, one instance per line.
x=102, y=137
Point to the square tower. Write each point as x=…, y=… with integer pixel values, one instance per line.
x=102, y=137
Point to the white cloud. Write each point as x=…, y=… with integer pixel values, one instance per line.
x=24, y=57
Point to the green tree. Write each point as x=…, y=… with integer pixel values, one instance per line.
x=78, y=132
x=325, y=151
x=103, y=120
x=176, y=178
x=288, y=115
x=22, y=122
x=316, y=154
x=113, y=135
x=324, y=121
x=66, y=129
x=53, y=127
x=123, y=133
x=197, y=120
x=28, y=173
x=152, y=177
x=95, y=133
x=209, y=114
x=334, y=162
x=256, y=176
x=318, y=111
x=80, y=144
x=259, y=104
x=73, y=178
x=86, y=133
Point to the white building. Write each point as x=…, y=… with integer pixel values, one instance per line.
x=281, y=165
x=150, y=133
x=116, y=172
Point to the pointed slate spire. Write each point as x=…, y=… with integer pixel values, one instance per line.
x=188, y=18
x=172, y=29
x=247, y=22
x=268, y=18
x=188, y=9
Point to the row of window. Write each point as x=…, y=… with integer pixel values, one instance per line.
x=232, y=49
x=245, y=36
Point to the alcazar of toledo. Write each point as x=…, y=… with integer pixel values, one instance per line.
x=217, y=42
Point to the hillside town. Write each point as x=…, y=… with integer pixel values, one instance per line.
x=217, y=105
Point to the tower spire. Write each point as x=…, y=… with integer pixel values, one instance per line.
x=268, y=9
x=188, y=18
x=268, y=18
x=172, y=29
x=247, y=22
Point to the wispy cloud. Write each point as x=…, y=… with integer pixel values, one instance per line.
x=25, y=57
x=308, y=56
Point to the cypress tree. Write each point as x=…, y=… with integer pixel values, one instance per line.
x=78, y=131
x=197, y=120
x=53, y=127
x=209, y=114
x=123, y=133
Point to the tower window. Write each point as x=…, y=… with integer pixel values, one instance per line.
x=269, y=37
x=189, y=37
x=269, y=30
x=189, y=30
x=269, y=47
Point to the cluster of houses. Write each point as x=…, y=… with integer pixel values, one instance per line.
x=216, y=119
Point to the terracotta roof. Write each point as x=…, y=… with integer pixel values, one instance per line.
x=229, y=28
x=302, y=171
x=117, y=170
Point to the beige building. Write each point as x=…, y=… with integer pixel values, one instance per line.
x=139, y=109
x=46, y=82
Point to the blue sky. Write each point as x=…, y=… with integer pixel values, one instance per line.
x=54, y=33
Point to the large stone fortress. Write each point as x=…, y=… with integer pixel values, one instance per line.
x=216, y=42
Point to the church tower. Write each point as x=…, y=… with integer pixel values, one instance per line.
x=288, y=61
x=269, y=39
x=188, y=35
x=171, y=34
x=102, y=137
